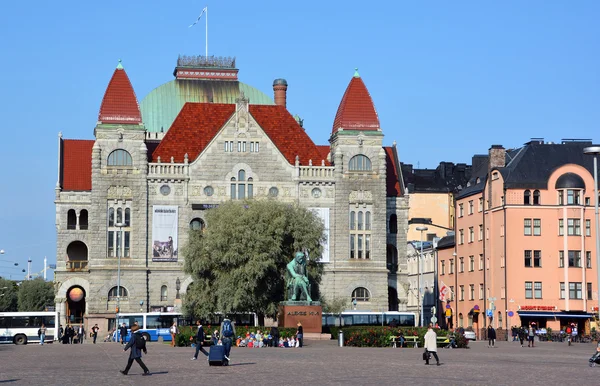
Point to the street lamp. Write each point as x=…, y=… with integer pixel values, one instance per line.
x=420, y=273
x=595, y=150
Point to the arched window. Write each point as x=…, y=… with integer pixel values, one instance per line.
x=111, y=217
x=119, y=216
x=120, y=157
x=352, y=220
x=359, y=162
x=163, y=293
x=367, y=221
x=360, y=221
x=499, y=320
x=393, y=224
x=527, y=197
x=83, y=219
x=112, y=294
x=460, y=320
x=71, y=219
x=242, y=188
x=536, y=197
x=127, y=217
x=360, y=294
x=197, y=224
x=392, y=258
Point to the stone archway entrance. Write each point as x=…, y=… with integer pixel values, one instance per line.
x=75, y=309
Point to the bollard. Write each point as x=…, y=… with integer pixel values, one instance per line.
x=341, y=339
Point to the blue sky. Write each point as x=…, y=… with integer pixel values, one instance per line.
x=448, y=79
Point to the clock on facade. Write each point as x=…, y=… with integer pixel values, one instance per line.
x=208, y=190
x=316, y=192
x=165, y=190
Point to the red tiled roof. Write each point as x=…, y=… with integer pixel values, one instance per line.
x=77, y=164
x=120, y=104
x=195, y=126
x=285, y=132
x=356, y=110
x=392, y=176
x=324, y=151
x=198, y=123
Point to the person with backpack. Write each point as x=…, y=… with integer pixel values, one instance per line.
x=227, y=333
x=199, y=341
x=137, y=344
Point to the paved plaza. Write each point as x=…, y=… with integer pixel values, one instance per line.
x=319, y=363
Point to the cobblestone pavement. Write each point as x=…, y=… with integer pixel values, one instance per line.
x=318, y=363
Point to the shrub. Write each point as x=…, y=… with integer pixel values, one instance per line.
x=187, y=334
x=379, y=336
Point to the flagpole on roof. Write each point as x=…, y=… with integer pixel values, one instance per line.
x=206, y=8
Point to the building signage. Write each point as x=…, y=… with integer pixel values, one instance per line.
x=164, y=233
x=204, y=206
x=537, y=308
x=304, y=313
x=323, y=214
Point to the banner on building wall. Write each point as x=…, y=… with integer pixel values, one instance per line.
x=323, y=214
x=164, y=233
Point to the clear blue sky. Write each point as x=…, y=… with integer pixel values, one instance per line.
x=448, y=78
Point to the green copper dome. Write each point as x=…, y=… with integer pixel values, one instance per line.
x=161, y=106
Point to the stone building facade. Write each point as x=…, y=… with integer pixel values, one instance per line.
x=117, y=194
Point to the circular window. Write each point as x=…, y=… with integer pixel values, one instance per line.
x=165, y=190
x=197, y=224
x=208, y=190
x=316, y=192
x=273, y=192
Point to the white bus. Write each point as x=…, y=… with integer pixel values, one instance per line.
x=366, y=318
x=22, y=327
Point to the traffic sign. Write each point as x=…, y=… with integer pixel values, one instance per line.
x=489, y=313
x=433, y=319
x=511, y=314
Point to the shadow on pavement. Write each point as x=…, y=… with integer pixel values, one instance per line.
x=242, y=364
x=10, y=380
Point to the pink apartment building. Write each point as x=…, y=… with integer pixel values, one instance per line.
x=524, y=246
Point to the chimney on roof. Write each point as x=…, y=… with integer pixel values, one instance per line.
x=280, y=91
x=497, y=157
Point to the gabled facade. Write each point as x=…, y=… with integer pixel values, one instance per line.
x=531, y=236
x=132, y=194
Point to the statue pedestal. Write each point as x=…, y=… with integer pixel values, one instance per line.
x=309, y=314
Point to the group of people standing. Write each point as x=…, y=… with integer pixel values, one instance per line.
x=67, y=335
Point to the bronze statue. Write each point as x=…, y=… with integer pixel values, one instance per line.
x=298, y=285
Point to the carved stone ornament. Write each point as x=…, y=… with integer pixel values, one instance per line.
x=360, y=196
x=220, y=191
x=119, y=192
x=179, y=191
x=196, y=191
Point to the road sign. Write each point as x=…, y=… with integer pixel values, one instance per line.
x=511, y=314
x=433, y=319
x=489, y=313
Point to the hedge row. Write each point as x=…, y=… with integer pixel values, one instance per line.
x=186, y=334
x=379, y=336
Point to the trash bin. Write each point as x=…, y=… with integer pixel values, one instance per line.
x=341, y=339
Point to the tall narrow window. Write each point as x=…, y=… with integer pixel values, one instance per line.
x=352, y=253
x=127, y=217
x=588, y=228
x=561, y=227
x=588, y=259
x=537, y=290
x=360, y=221
x=393, y=224
x=119, y=232
x=111, y=243
x=352, y=220
x=233, y=187
x=111, y=217
x=537, y=259
x=71, y=219
x=83, y=219
x=528, y=290
x=163, y=293
x=536, y=197
x=250, y=188
x=126, y=245
x=367, y=221
x=360, y=234
x=528, y=259
x=561, y=259
x=537, y=227
x=527, y=197
x=527, y=227
x=562, y=290
x=119, y=216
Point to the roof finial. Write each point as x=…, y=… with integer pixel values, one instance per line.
x=119, y=66
x=356, y=73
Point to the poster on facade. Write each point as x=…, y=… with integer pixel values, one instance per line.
x=323, y=214
x=164, y=233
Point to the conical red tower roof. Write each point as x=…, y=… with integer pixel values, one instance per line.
x=356, y=110
x=119, y=105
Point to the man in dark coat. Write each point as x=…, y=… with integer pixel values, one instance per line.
x=491, y=334
x=199, y=341
x=274, y=336
x=136, y=352
x=123, y=333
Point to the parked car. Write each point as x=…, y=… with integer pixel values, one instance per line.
x=470, y=335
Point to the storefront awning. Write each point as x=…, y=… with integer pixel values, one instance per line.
x=546, y=314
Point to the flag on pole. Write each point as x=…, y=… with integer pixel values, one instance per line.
x=444, y=290
x=198, y=19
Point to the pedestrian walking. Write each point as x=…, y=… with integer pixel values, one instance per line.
x=530, y=335
x=42, y=334
x=300, y=334
x=522, y=333
x=61, y=332
x=431, y=345
x=80, y=333
x=491, y=334
x=95, y=332
x=174, y=332
x=227, y=332
x=274, y=336
x=199, y=341
x=70, y=333
x=123, y=333
x=137, y=344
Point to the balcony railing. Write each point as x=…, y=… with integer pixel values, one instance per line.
x=77, y=265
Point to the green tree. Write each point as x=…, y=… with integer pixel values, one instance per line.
x=238, y=262
x=8, y=295
x=335, y=305
x=35, y=295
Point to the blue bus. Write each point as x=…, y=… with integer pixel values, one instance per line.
x=367, y=318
